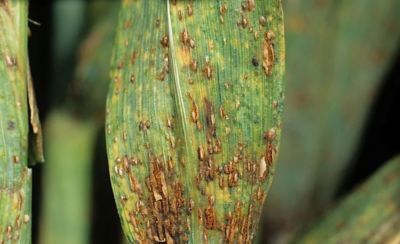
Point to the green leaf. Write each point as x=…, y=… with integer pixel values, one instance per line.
x=193, y=117
x=370, y=214
x=338, y=53
x=15, y=176
x=69, y=153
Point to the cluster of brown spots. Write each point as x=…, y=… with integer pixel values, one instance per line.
x=268, y=53
x=161, y=215
x=239, y=226
x=144, y=125
x=243, y=22
x=248, y=5
x=186, y=39
x=164, y=41
x=214, y=146
x=231, y=169
x=210, y=216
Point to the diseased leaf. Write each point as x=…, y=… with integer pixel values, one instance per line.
x=15, y=176
x=193, y=117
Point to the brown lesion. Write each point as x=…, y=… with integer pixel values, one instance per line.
x=210, y=119
x=268, y=53
x=208, y=71
x=248, y=5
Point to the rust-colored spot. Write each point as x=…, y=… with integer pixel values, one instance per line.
x=262, y=21
x=127, y=24
x=133, y=57
x=270, y=135
x=144, y=125
x=164, y=70
x=193, y=65
x=16, y=159
x=134, y=184
x=200, y=153
x=120, y=65
x=133, y=78
x=208, y=71
x=164, y=41
x=269, y=153
x=195, y=112
x=222, y=113
x=243, y=22
x=189, y=9
x=199, y=125
x=210, y=118
x=186, y=39
x=260, y=194
x=10, y=61
x=248, y=5
x=170, y=123
x=268, y=53
x=223, y=8
x=180, y=15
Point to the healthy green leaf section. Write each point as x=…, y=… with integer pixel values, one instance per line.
x=193, y=117
x=369, y=215
x=15, y=177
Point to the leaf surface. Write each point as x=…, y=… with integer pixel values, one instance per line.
x=193, y=117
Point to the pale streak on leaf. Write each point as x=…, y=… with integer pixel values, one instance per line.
x=37, y=140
